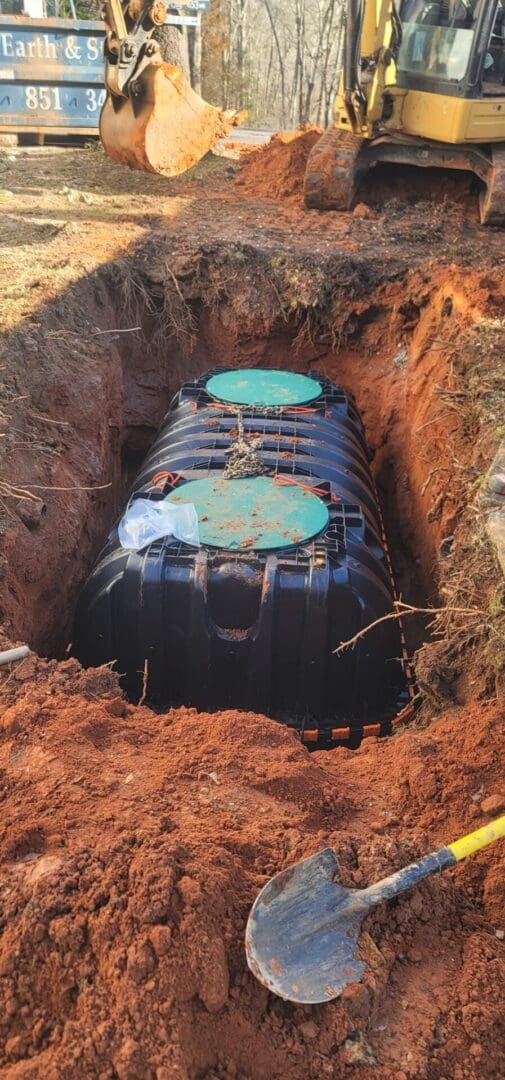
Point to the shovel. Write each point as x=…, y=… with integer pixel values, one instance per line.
x=303, y=930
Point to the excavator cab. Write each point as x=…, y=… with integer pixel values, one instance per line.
x=151, y=118
x=453, y=44
x=423, y=83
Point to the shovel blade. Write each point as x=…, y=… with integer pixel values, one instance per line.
x=302, y=933
x=166, y=128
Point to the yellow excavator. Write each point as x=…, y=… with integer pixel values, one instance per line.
x=422, y=84
x=152, y=119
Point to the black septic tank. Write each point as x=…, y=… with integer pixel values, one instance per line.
x=291, y=561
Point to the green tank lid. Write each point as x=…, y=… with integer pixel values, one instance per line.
x=254, y=512
x=253, y=386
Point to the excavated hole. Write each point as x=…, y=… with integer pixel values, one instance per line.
x=148, y=387
x=149, y=399
x=392, y=387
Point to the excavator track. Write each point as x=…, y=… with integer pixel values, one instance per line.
x=492, y=200
x=332, y=174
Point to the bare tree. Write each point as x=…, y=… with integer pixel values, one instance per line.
x=279, y=60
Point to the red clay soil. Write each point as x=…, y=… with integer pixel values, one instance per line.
x=408, y=417
x=132, y=846
x=277, y=169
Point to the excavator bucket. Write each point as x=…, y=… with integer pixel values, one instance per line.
x=164, y=127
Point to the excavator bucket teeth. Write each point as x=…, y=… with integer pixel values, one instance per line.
x=165, y=127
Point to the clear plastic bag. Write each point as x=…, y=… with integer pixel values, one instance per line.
x=145, y=520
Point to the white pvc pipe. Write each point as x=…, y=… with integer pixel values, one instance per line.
x=14, y=654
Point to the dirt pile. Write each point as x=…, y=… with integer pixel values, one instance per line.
x=132, y=846
x=277, y=170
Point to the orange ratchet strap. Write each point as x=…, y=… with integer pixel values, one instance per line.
x=289, y=481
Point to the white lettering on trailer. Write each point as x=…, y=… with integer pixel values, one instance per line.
x=44, y=98
x=94, y=48
x=72, y=48
x=38, y=48
x=6, y=44
x=95, y=99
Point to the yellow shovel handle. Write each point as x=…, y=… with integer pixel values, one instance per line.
x=467, y=845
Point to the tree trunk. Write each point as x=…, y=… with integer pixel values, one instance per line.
x=173, y=41
x=195, y=56
x=281, y=61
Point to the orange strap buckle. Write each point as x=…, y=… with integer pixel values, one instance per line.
x=161, y=478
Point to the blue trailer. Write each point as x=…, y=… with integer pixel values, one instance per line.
x=51, y=76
